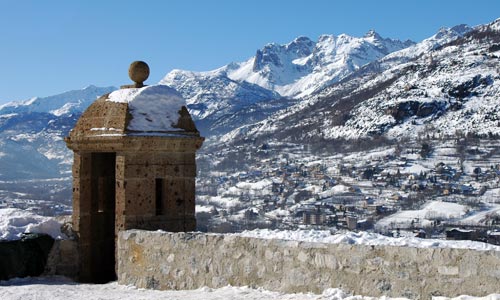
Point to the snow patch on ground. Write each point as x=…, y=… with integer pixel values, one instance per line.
x=59, y=288
x=204, y=209
x=337, y=189
x=15, y=222
x=415, y=169
x=363, y=238
x=262, y=184
x=431, y=211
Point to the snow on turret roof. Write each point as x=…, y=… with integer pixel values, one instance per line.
x=153, y=108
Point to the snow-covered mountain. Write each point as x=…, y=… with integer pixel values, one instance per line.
x=32, y=132
x=276, y=72
x=68, y=102
x=446, y=85
x=302, y=66
x=213, y=95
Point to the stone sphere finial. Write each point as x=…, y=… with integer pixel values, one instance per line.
x=138, y=72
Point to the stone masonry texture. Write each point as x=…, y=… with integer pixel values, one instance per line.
x=164, y=260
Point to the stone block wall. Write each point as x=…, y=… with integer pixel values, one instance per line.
x=137, y=179
x=27, y=256
x=63, y=259
x=162, y=260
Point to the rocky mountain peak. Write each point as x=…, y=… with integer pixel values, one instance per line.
x=301, y=46
x=372, y=34
x=453, y=32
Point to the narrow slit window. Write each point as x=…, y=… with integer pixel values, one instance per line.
x=159, y=196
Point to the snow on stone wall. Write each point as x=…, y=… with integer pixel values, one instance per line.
x=164, y=260
x=14, y=223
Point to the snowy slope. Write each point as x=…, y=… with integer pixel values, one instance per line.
x=454, y=88
x=443, y=36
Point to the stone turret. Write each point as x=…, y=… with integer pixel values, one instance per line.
x=134, y=167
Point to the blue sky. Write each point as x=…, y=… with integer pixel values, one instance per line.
x=48, y=47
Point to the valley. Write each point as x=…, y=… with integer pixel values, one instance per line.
x=424, y=185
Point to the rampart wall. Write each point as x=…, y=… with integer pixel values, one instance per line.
x=162, y=260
